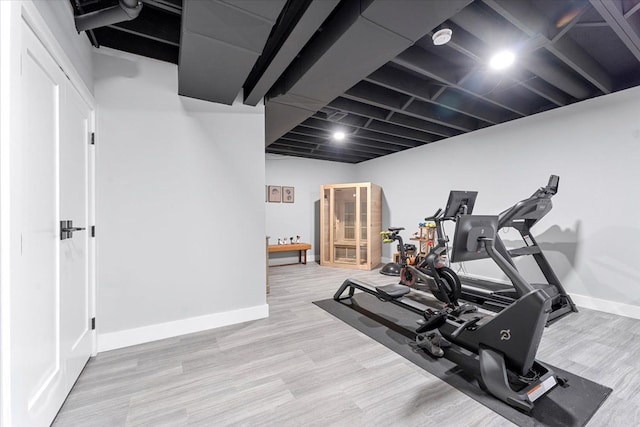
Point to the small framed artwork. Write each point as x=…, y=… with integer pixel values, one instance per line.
x=275, y=194
x=288, y=194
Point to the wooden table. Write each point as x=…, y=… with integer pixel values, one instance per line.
x=302, y=248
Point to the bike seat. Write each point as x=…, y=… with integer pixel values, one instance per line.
x=392, y=229
x=392, y=291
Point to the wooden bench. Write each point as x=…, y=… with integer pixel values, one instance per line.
x=302, y=248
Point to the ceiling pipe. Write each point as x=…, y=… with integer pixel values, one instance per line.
x=125, y=10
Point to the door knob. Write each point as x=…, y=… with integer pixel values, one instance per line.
x=67, y=229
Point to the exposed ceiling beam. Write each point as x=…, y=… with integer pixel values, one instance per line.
x=388, y=138
x=360, y=108
x=420, y=61
x=260, y=81
x=543, y=89
x=619, y=25
x=346, y=144
x=124, y=41
x=532, y=22
x=142, y=33
x=373, y=94
x=418, y=124
x=397, y=130
x=470, y=47
x=400, y=81
x=153, y=24
x=368, y=33
x=220, y=42
x=291, y=151
x=571, y=24
x=399, y=141
x=327, y=148
x=353, y=140
x=92, y=38
x=484, y=26
x=591, y=24
x=418, y=137
x=632, y=10
x=166, y=5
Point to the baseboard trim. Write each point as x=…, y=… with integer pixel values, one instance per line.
x=129, y=337
x=613, y=307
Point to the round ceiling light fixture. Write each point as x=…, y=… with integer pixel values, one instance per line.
x=339, y=136
x=502, y=60
x=441, y=37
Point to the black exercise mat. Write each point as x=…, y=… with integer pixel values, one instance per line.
x=394, y=327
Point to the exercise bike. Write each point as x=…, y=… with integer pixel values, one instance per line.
x=433, y=267
x=504, y=345
x=431, y=272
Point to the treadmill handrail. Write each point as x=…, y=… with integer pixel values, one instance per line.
x=512, y=213
x=522, y=286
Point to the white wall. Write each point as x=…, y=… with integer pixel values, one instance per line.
x=180, y=185
x=302, y=217
x=592, y=234
x=58, y=15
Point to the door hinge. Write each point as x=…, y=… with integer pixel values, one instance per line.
x=93, y=138
x=93, y=323
x=93, y=231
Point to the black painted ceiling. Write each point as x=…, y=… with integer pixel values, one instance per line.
x=370, y=68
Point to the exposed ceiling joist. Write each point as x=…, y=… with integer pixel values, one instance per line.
x=348, y=150
x=296, y=38
x=481, y=24
x=354, y=139
x=216, y=58
x=619, y=24
x=388, y=138
x=153, y=25
x=531, y=21
x=417, y=60
x=396, y=140
x=379, y=127
x=369, y=34
x=395, y=79
x=296, y=137
x=172, y=6
x=375, y=95
x=318, y=154
x=468, y=46
x=632, y=10
x=371, y=69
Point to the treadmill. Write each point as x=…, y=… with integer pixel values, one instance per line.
x=522, y=216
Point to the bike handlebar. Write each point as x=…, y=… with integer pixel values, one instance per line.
x=434, y=216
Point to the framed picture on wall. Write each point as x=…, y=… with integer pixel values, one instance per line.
x=288, y=194
x=275, y=194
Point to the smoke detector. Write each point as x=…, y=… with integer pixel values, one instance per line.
x=441, y=37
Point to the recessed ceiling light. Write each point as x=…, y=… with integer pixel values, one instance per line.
x=502, y=60
x=441, y=37
x=338, y=136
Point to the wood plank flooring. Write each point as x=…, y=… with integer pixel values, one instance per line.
x=303, y=367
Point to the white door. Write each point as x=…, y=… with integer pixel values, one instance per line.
x=50, y=316
x=75, y=297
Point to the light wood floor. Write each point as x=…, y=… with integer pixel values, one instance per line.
x=303, y=367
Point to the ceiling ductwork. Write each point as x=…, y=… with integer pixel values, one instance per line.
x=366, y=35
x=125, y=10
x=221, y=41
x=371, y=69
